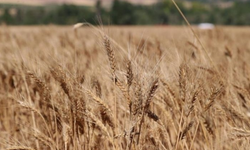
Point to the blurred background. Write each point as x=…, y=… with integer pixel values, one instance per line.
x=123, y=12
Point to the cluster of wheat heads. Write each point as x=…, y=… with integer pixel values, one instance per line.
x=153, y=90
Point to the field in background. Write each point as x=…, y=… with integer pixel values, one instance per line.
x=124, y=88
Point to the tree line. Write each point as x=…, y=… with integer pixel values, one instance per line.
x=124, y=13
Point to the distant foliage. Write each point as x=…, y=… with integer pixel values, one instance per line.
x=124, y=13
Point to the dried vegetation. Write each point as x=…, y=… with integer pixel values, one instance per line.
x=131, y=88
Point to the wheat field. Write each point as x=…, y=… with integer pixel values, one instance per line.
x=131, y=88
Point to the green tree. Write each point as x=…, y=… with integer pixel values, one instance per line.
x=7, y=18
x=122, y=13
x=98, y=7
